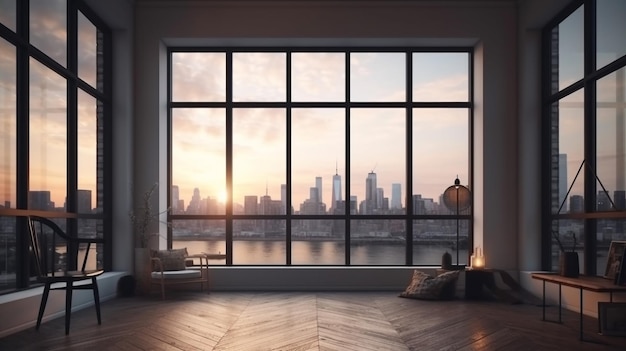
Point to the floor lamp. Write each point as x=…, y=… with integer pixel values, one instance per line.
x=457, y=198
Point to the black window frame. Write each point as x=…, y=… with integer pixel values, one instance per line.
x=229, y=104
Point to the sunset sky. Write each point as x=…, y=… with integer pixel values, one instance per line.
x=440, y=136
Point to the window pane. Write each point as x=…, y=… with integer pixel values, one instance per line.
x=87, y=153
x=199, y=161
x=8, y=258
x=439, y=76
x=48, y=28
x=317, y=152
x=433, y=238
x=259, y=157
x=90, y=63
x=318, y=76
x=378, y=76
x=377, y=242
x=265, y=244
x=200, y=236
x=88, y=229
x=199, y=76
x=48, y=139
x=318, y=242
x=611, y=31
x=7, y=13
x=377, y=154
x=8, y=128
x=611, y=145
x=568, y=43
x=568, y=154
x=259, y=76
x=440, y=154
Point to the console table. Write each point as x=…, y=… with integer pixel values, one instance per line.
x=589, y=283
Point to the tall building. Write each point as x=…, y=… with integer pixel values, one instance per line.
x=195, y=203
x=283, y=197
x=175, y=200
x=563, y=181
x=371, y=193
x=380, y=198
x=576, y=204
x=336, y=194
x=40, y=200
x=83, y=201
x=250, y=205
x=396, y=196
x=318, y=186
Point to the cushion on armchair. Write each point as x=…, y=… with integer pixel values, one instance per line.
x=171, y=260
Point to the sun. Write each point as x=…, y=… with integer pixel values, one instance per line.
x=222, y=197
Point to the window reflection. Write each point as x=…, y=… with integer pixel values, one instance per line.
x=8, y=128
x=568, y=114
x=611, y=145
x=7, y=13
x=48, y=139
x=88, y=149
x=48, y=28
x=89, y=57
x=568, y=41
x=611, y=31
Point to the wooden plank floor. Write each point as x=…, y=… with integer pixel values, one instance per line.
x=311, y=321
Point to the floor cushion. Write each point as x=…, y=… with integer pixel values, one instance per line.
x=426, y=287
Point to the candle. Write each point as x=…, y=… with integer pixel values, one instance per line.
x=477, y=259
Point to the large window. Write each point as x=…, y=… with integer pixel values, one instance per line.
x=585, y=150
x=54, y=105
x=324, y=156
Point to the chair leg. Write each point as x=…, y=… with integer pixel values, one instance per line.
x=42, y=305
x=96, y=297
x=68, y=305
x=162, y=291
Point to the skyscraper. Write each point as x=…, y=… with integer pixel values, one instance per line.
x=84, y=201
x=370, y=193
x=563, y=181
x=336, y=195
x=318, y=185
x=175, y=199
x=396, y=196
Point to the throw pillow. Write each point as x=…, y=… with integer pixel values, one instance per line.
x=172, y=260
x=423, y=286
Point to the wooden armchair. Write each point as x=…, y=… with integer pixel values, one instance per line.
x=51, y=250
x=170, y=267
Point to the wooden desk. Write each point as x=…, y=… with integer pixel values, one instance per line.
x=590, y=283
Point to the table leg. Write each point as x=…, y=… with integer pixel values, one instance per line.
x=560, y=319
x=581, y=314
x=543, y=303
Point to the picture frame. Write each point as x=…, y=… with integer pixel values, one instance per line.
x=612, y=316
x=614, y=260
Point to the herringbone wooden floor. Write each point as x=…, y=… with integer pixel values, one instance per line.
x=310, y=321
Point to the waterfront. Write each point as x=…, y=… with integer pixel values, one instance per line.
x=271, y=252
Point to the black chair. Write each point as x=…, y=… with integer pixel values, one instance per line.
x=53, y=265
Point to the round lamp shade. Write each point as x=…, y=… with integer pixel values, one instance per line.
x=457, y=197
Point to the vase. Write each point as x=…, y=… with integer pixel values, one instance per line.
x=568, y=264
x=143, y=269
